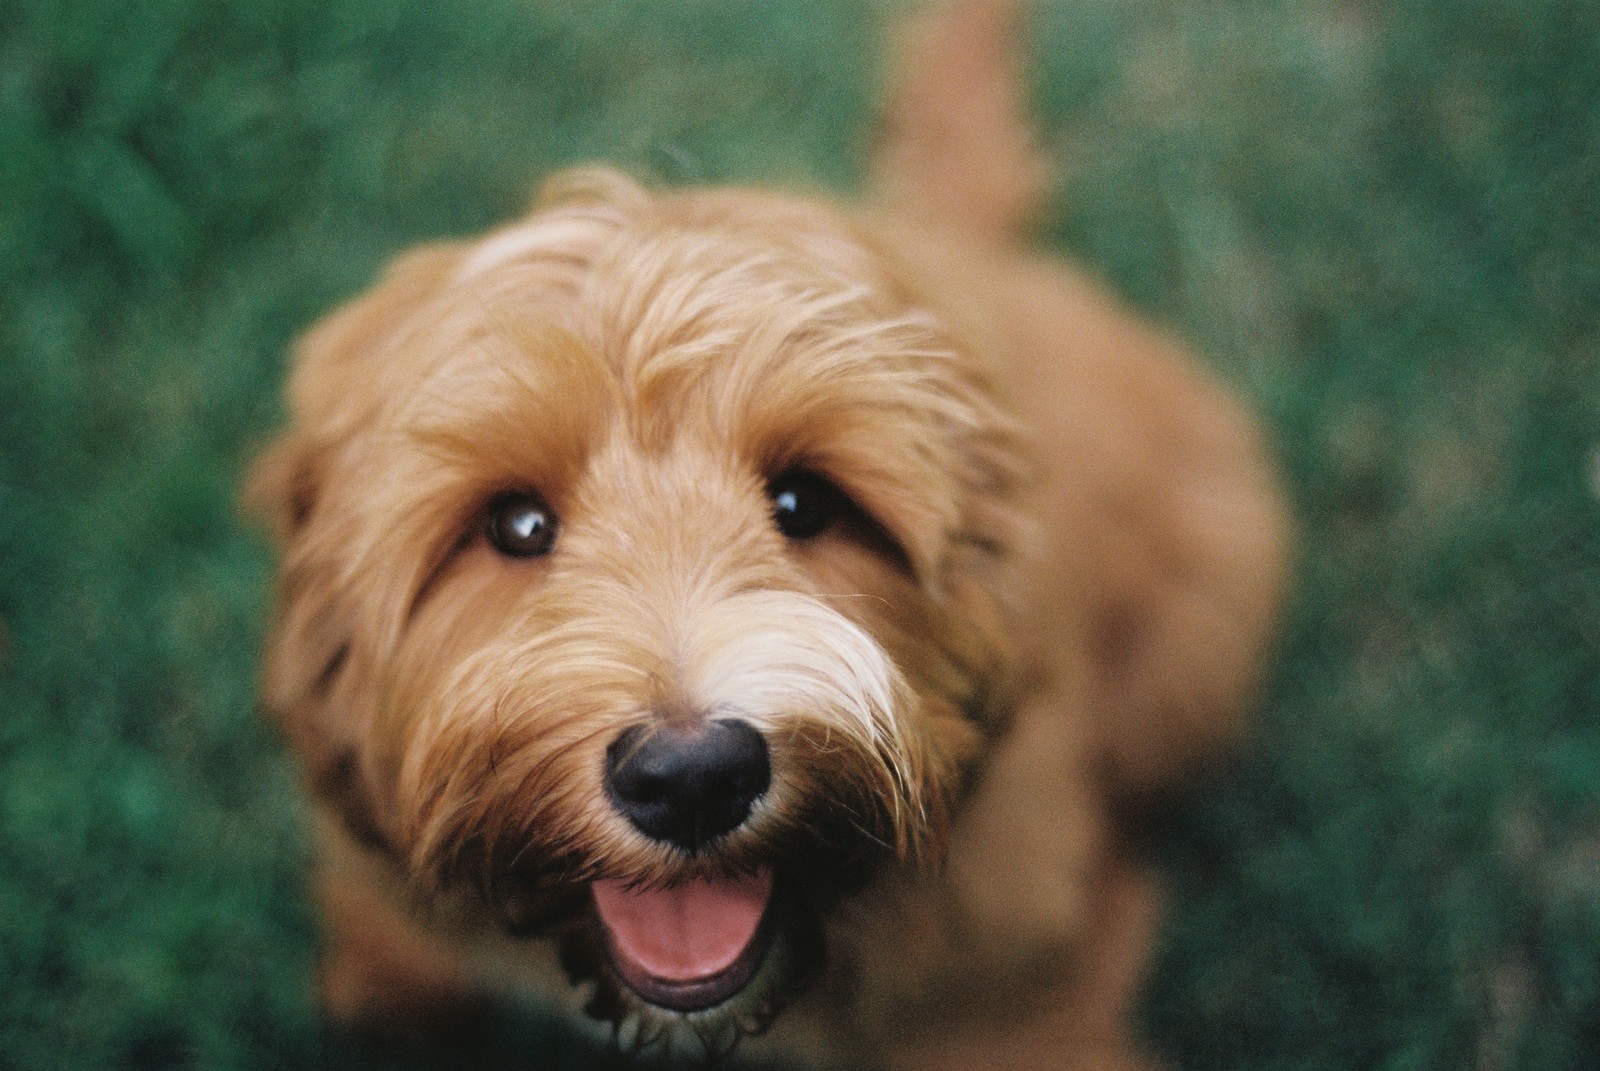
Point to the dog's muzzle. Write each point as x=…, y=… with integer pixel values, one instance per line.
x=688, y=946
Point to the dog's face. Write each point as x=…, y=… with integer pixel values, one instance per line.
x=640, y=576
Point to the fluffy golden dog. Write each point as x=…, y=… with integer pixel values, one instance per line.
x=727, y=614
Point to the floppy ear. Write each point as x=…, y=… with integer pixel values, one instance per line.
x=281, y=487
x=326, y=402
x=331, y=397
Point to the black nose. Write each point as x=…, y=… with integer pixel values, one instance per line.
x=687, y=786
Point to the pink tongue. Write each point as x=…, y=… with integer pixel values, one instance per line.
x=685, y=933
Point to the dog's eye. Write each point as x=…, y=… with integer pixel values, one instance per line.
x=803, y=504
x=520, y=525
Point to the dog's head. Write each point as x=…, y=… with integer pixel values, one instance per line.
x=639, y=575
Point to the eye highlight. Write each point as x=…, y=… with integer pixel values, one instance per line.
x=804, y=504
x=520, y=525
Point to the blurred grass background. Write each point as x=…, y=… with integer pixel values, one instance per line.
x=1380, y=217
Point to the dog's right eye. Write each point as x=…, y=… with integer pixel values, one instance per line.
x=804, y=504
x=520, y=525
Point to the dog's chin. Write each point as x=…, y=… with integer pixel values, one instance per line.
x=696, y=967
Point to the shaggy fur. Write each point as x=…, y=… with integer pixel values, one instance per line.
x=1046, y=593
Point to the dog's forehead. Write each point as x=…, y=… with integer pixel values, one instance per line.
x=596, y=211
x=653, y=292
x=763, y=340
x=694, y=322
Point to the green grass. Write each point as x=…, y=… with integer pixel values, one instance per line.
x=1380, y=219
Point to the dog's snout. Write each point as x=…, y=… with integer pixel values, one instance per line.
x=688, y=786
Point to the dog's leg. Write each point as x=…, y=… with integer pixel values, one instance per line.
x=379, y=970
x=1027, y=951
x=1080, y=1025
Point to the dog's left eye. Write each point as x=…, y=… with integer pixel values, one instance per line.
x=520, y=525
x=803, y=504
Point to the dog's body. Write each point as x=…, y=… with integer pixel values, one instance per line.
x=915, y=548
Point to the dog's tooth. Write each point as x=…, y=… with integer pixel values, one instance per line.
x=648, y=1033
x=718, y=1038
x=626, y=1034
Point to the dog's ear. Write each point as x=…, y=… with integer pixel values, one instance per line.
x=330, y=401
x=282, y=486
x=325, y=402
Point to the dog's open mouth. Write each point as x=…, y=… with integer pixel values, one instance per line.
x=686, y=947
x=690, y=968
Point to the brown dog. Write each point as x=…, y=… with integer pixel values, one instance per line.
x=716, y=610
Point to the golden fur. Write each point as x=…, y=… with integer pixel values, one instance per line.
x=1053, y=596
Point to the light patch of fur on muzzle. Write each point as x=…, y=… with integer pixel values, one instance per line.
x=798, y=669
